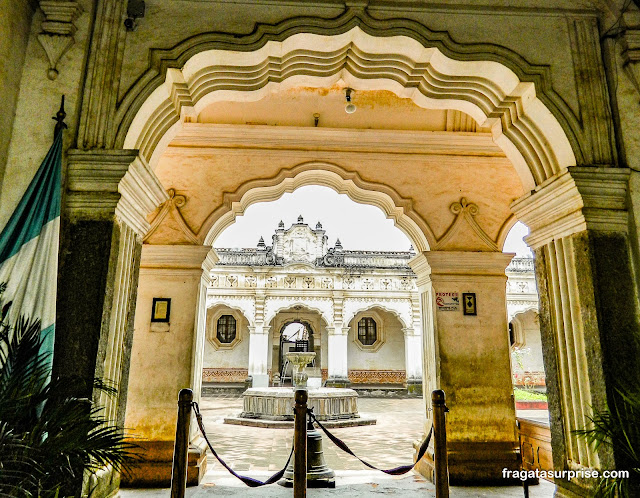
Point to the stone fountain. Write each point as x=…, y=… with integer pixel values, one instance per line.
x=273, y=406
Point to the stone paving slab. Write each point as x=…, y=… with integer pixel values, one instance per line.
x=349, y=484
x=389, y=443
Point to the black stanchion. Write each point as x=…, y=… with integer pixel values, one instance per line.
x=300, y=444
x=181, y=445
x=440, y=457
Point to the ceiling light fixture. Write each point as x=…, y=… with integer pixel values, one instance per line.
x=350, y=108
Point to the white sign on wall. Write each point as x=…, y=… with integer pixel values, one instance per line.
x=448, y=301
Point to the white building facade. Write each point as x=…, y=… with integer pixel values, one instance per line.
x=360, y=311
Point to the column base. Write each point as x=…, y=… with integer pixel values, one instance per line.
x=259, y=380
x=338, y=382
x=414, y=387
x=476, y=463
x=153, y=470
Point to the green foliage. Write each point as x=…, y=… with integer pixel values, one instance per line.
x=618, y=427
x=526, y=395
x=47, y=440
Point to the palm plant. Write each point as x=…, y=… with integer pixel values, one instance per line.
x=618, y=427
x=47, y=439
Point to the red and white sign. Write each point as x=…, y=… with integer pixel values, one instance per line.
x=448, y=301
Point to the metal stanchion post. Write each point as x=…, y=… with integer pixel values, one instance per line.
x=181, y=446
x=440, y=444
x=300, y=445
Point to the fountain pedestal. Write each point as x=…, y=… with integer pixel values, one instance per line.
x=272, y=406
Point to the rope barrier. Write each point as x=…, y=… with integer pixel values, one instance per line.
x=249, y=481
x=403, y=469
x=253, y=483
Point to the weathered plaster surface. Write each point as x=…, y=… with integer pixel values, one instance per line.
x=15, y=22
x=39, y=100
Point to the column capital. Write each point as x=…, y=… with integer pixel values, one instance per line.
x=464, y=263
x=174, y=257
x=101, y=183
x=575, y=200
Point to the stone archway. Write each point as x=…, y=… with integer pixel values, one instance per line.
x=521, y=125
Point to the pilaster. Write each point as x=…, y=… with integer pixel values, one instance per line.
x=413, y=360
x=474, y=360
x=337, y=374
x=99, y=102
x=588, y=311
x=107, y=197
x=171, y=352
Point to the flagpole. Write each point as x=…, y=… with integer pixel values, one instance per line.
x=59, y=119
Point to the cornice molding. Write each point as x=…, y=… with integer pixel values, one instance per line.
x=174, y=257
x=575, y=200
x=103, y=183
x=209, y=135
x=421, y=268
x=463, y=263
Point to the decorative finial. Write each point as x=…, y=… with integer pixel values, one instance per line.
x=59, y=119
x=281, y=224
x=300, y=219
x=261, y=242
x=338, y=245
x=318, y=226
x=411, y=249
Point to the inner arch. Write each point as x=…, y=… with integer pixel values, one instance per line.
x=322, y=174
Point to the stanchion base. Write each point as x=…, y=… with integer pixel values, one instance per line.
x=315, y=483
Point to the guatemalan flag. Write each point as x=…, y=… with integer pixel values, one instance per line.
x=29, y=248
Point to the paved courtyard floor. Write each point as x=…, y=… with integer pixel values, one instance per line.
x=260, y=452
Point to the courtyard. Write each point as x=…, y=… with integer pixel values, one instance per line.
x=260, y=452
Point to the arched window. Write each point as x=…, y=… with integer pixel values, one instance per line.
x=367, y=333
x=226, y=329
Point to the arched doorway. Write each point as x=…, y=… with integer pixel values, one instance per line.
x=534, y=144
x=296, y=335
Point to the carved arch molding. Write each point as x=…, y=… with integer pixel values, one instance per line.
x=536, y=129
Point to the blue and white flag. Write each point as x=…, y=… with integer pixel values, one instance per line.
x=29, y=248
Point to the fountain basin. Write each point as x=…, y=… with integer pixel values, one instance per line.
x=273, y=407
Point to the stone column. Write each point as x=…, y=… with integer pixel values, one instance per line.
x=413, y=360
x=337, y=371
x=109, y=193
x=258, y=369
x=337, y=334
x=259, y=355
x=164, y=360
x=588, y=309
x=473, y=363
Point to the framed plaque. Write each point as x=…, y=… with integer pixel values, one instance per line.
x=469, y=303
x=161, y=309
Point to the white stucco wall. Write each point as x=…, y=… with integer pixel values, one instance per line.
x=390, y=355
x=226, y=357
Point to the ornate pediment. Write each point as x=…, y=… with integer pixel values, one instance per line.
x=299, y=244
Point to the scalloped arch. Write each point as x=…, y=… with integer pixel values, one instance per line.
x=215, y=303
x=405, y=320
x=529, y=134
x=290, y=304
x=325, y=174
